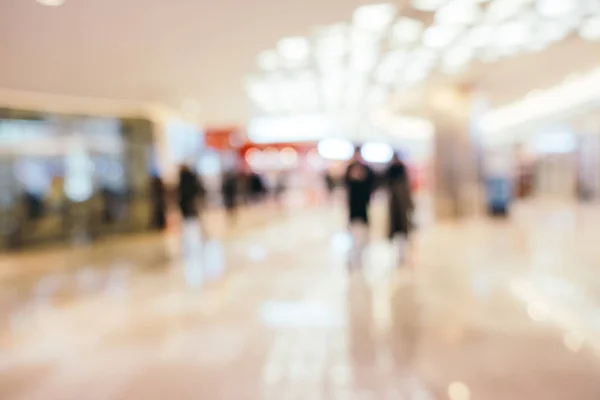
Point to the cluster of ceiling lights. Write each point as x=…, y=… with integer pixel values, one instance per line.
x=353, y=66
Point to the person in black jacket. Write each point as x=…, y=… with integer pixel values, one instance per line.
x=189, y=192
x=330, y=184
x=159, y=204
x=360, y=181
x=229, y=190
x=400, y=205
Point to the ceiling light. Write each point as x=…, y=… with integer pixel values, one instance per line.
x=282, y=89
x=407, y=30
x=377, y=152
x=331, y=90
x=590, y=7
x=590, y=30
x=363, y=39
x=513, y=34
x=354, y=91
x=457, y=59
x=333, y=44
x=459, y=391
x=460, y=12
x=555, y=8
x=329, y=66
x=377, y=96
x=428, y=5
x=375, y=18
x=480, y=36
x=268, y=60
x=424, y=56
x=385, y=74
x=391, y=62
x=294, y=49
x=552, y=31
x=256, y=89
x=263, y=95
x=335, y=149
x=415, y=73
x=438, y=36
x=363, y=60
x=51, y=3
x=500, y=10
x=301, y=89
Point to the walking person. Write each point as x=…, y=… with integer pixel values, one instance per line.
x=159, y=204
x=400, y=206
x=229, y=190
x=281, y=181
x=330, y=184
x=189, y=192
x=360, y=182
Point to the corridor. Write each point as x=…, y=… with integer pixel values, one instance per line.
x=489, y=310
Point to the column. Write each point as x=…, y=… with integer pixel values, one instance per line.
x=139, y=137
x=457, y=171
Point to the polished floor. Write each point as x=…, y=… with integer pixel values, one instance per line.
x=491, y=310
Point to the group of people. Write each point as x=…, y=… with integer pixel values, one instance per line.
x=190, y=194
x=361, y=181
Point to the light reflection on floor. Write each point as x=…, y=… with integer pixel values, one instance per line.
x=486, y=310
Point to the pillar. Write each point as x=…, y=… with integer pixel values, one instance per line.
x=456, y=161
x=138, y=134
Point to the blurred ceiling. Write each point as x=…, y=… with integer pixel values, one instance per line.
x=165, y=51
x=180, y=52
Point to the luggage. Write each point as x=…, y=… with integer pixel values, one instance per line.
x=499, y=196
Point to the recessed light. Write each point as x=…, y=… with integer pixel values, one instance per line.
x=555, y=8
x=459, y=391
x=51, y=3
x=440, y=36
x=457, y=59
x=294, y=49
x=458, y=12
x=407, y=30
x=268, y=60
x=428, y=5
x=374, y=17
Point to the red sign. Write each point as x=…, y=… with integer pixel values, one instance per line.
x=223, y=138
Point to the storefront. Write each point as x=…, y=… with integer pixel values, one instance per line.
x=72, y=178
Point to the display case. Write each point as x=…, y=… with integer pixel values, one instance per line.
x=69, y=178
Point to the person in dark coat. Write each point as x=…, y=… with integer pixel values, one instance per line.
x=280, y=187
x=189, y=192
x=400, y=204
x=330, y=184
x=229, y=190
x=360, y=181
x=258, y=189
x=159, y=204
